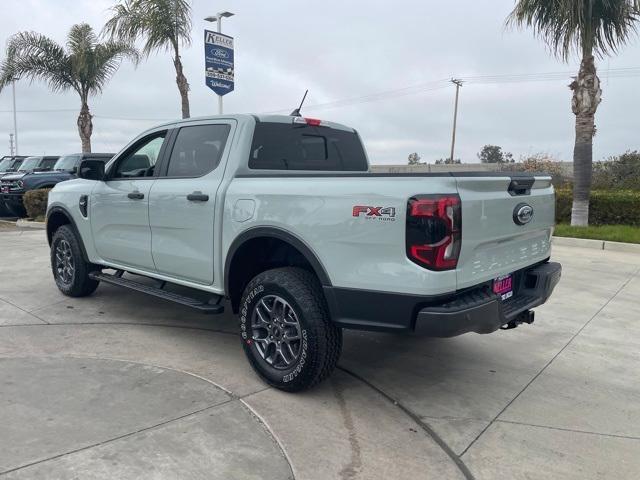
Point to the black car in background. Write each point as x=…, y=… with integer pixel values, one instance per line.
x=8, y=165
x=13, y=187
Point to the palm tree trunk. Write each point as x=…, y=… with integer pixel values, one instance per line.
x=586, y=97
x=183, y=85
x=85, y=126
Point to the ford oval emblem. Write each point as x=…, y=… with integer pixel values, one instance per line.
x=218, y=52
x=522, y=214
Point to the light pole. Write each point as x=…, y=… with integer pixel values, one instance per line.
x=15, y=122
x=218, y=18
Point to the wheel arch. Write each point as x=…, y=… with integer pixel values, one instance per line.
x=261, y=248
x=58, y=216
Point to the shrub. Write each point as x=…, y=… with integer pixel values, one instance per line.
x=606, y=207
x=621, y=172
x=541, y=163
x=35, y=202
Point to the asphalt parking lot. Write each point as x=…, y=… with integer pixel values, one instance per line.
x=121, y=385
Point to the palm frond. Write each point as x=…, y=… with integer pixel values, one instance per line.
x=37, y=57
x=85, y=66
x=585, y=26
x=106, y=60
x=162, y=24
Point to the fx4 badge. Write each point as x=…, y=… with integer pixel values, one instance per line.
x=387, y=214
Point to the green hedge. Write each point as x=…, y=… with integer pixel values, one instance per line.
x=35, y=202
x=606, y=207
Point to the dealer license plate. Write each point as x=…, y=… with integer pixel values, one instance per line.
x=503, y=286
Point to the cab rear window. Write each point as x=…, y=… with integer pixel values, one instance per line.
x=283, y=146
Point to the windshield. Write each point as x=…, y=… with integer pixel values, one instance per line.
x=5, y=164
x=48, y=163
x=9, y=163
x=66, y=163
x=29, y=164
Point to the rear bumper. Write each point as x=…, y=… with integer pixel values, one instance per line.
x=482, y=311
x=476, y=310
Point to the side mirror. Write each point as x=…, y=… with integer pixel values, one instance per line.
x=74, y=170
x=91, y=170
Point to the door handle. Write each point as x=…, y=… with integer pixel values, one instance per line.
x=198, y=197
x=135, y=195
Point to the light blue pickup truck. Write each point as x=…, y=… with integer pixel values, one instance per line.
x=279, y=217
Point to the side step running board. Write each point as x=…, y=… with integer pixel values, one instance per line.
x=117, y=279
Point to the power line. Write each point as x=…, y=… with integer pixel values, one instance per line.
x=623, y=72
x=56, y=110
x=476, y=79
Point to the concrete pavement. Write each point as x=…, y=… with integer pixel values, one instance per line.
x=121, y=385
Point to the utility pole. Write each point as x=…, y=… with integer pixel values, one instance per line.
x=11, y=144
x=15, y=122
x=458, y=84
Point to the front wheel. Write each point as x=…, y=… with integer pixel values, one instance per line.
x=70, y=270
x=286, y=330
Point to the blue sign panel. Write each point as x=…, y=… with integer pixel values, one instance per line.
x=218, y=62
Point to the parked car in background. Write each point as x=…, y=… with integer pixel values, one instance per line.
x=37, y=164
x=47, y=173
x=8, y=165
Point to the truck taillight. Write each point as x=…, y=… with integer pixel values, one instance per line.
x=434, y=231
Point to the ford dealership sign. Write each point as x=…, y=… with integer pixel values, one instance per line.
x=218, y=62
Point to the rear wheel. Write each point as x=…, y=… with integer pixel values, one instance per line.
x=286, y=330
x=70, y=270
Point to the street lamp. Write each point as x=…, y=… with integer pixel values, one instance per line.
x=218, y=18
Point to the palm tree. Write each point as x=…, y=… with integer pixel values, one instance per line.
x=84, y=66
x=164, y=25
x=587, y=27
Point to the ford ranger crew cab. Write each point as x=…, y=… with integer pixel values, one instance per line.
x=279, y=218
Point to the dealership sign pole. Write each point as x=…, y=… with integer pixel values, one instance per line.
x=218, y=59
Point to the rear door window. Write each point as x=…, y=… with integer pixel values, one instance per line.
x=197, y=150
x=284, y=146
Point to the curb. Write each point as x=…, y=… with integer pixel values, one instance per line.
x=597, y=244
x=22, y=223
x=622, y=247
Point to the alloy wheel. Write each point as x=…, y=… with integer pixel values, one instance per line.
x=276, y=332
x=65, y=268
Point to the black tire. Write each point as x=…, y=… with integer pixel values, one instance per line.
x=320, y=341
x=73, y=281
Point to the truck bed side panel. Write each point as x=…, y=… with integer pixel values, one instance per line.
x=365, y=252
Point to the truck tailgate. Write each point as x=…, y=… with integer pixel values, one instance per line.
x=493, y=243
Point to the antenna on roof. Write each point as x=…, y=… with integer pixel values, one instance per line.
x=296, y=112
